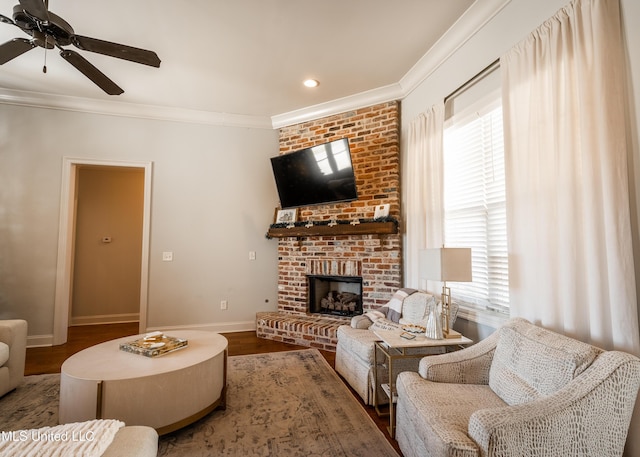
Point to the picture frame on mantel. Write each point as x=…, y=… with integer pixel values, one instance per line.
x=381, y=211
x=286, y=216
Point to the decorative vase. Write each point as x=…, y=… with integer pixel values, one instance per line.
x=434, y=326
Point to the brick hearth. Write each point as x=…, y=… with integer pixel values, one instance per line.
x=373, y=134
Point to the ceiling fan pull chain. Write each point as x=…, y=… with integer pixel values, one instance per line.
x=46, y=37
x=44, y=67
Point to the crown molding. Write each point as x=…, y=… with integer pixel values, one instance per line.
x=368, y=98
x=112, y=108
x=480, y=12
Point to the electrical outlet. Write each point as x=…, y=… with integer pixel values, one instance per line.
x=252, y=255
x=167, y=256
x=223, y=304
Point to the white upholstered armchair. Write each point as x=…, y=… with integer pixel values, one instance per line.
x=13, y=348
x=356, y=342
x=523, y=391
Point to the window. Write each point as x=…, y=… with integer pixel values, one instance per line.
x=474, y=201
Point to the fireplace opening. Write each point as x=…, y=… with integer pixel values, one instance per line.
x=335, y=295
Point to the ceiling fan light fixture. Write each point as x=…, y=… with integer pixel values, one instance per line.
x=48, y=31
x=311, y=83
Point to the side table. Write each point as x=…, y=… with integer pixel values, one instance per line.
x=394, y=347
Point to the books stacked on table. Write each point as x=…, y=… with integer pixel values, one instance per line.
x=154, y=344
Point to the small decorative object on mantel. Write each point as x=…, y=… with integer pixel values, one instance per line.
x=154, y=344
x=355, y=222
x=286, y=216
x=381, y=211
x=309, y=224
x=333, y=223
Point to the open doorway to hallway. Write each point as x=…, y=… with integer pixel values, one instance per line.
x=107, y=245
x=104, y=237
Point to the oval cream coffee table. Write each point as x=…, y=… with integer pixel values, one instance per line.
x=166, y=392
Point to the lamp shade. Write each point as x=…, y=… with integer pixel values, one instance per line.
x=445, y=264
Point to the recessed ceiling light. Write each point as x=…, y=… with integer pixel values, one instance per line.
x=311, y=83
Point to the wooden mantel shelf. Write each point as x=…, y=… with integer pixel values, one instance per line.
x=364, y=228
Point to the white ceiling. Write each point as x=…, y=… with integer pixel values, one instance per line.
x=239, y=57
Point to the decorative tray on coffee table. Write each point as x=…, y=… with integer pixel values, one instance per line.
x=154, y=344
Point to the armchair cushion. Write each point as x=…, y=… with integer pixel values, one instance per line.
x=443, y=432
x=357, y=342
x=517, y=377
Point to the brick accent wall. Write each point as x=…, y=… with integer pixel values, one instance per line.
x=374, y=139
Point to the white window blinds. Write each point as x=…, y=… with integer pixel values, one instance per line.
x=474, y=200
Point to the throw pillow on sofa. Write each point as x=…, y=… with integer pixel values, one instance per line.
x=393, y=308
x=416, y=308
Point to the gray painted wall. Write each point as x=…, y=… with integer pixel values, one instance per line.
x=213, y=198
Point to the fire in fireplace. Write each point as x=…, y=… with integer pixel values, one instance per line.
x=335, y=295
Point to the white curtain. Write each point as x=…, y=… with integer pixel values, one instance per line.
x=423, y=200
x=569, y=228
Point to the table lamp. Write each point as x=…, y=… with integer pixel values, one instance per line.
x=446, y=264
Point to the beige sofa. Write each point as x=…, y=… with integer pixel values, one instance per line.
x=13, y=349
x=523, y=391
x=356, y=342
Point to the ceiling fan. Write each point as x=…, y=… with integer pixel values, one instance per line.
x=48, y=30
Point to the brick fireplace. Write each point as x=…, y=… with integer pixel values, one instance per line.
x=374, y=139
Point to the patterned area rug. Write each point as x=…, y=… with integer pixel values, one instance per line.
x=278, y=404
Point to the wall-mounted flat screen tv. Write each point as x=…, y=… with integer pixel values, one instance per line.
x=316, y=175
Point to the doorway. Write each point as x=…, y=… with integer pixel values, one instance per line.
x=71, y=224
x=107, y=245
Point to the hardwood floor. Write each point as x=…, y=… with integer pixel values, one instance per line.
x=49, y=359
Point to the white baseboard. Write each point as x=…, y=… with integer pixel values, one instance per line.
x=105, y=319
x=38, y=341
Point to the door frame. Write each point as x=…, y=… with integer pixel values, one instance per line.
x=66, y=234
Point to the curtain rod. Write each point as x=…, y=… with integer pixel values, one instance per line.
x=485, y=71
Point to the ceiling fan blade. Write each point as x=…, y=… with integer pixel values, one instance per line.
x=91, y=72
x=119, y=51
x=14, y=48
x=36, y=9
x=6, y=20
